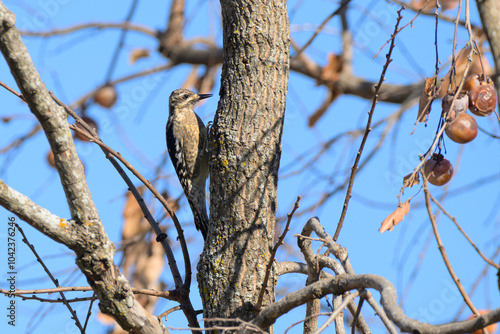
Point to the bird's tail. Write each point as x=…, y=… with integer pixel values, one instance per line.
x=199, y=209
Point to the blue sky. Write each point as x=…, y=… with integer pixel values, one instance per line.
x=72, y=65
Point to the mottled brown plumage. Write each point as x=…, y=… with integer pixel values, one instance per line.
x=187, y=147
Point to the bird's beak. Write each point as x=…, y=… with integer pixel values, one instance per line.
x=204, y=96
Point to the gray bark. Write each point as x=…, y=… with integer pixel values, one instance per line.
x=84, y=232
x=245, y=150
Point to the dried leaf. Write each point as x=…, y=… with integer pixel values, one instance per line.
x=137, y=54
x=206, y=82
x=191, y=78
x=330, y=98
x=423, y=108
x=474, y=68
x=445, y=4
x=331, y=71
x=410, y=180
x=149, y=266
x=395, y=218
x=133, y=218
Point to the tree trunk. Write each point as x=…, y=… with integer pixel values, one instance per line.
x=245, y=151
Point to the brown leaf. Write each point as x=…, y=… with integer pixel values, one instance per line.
x=331, y=71
x=137, y=54
x=191, y=78
x=445, y=4
x=423, y=108
x=460, y=64
x=395, y=218
x=330, y=98
x=410, y=180
x=133, y=218
x=206, y=82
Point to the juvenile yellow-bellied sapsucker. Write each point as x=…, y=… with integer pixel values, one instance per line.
x=187, y=140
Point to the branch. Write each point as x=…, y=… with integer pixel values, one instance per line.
x=321, y=26
x=93, y=248
x=78, y=27
x=354, y=168
x=52, y=278
x=337, y=311
x=121, y=42
x=183, y=297
x=442, y=250
x=56, y=228
x=169, y=294
x=340, y=253
x=188, y=53
x=273, y=255
x=388, y=297
x=453, y=219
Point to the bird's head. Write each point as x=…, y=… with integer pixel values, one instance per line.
x=183, y=98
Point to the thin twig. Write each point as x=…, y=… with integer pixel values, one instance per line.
x=89, y=312
x=337, y=311
x=356, y=316
x=442, y=250
x=18, y=141
x=110, y=154
x=159, y=69
x=474, y=286
x=453, y=219
x=120, y=25
x=121, y=42
x=321, y=26
x=273, y=254
x=379, y=311
x=167, y=312
x=54, y=280
x=183, y=297
x=12, y=91
x=148, y=292
x=306, y=318
x=442, y=17
x=367, y=128
x=58, y=300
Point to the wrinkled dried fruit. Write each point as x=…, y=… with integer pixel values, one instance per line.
x=482, y=100
x=459, y=106
x=475, y=80
x=106, y=96
x=462, y=129
x=438, y=170
x=91, y=123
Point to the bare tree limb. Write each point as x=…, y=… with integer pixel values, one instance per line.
x=273, y=254
x=343, y=283
x=442, y=250
x=53, y=279
x=169, y=294
x=188, y=53
x=93, y=248
x=354, y=168
x=454, y=220
x=96, y=25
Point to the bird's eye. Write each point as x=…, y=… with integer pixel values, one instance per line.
x=185, y=96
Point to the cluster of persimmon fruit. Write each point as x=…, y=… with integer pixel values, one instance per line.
x=479, y=96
